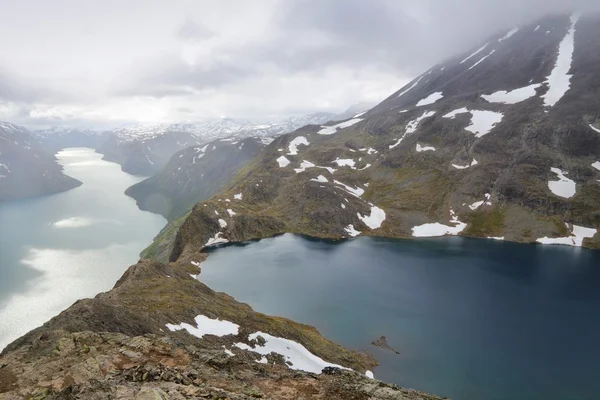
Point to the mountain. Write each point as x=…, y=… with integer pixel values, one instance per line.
x=146, y=150
x=55, y=139
x=502, y=142
x=26, y=169
x=162, y=334
x=194, y=174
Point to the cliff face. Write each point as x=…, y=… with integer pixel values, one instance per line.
x=143, y=340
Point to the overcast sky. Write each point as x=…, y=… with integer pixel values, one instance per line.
x=109, y=62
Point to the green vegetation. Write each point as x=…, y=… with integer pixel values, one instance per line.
x=485, y=223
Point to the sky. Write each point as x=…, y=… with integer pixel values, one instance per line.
x=98, y=64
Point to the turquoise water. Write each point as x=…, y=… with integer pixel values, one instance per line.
x=472, y=319
x=57, y=249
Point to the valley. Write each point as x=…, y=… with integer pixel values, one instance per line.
x=444, y=239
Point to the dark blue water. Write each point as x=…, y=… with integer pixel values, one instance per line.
x=472, y=319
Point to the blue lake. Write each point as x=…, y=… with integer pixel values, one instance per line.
x=57, y=249
x=472, y=319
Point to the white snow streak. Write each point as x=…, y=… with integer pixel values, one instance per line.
x=482, y=59
x=424, y=148
x=411, y=127
x=594, y=128
x=473, y=163
x=559, y=80
x=513, y=96
x=432, y=98
x=330, y=130
x=475, y=53
x=453, y=114
x=508, y=35
x=411, y=87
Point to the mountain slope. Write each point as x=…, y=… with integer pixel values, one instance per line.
x=194, y=174
x=503, y=143
x=26, y=169
x=146, y=150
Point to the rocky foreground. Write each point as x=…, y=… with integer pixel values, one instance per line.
x=118, y=346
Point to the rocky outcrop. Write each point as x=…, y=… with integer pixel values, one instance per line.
x=118, y=346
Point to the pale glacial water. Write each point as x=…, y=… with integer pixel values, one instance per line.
x=57, y=249
x=472, y=319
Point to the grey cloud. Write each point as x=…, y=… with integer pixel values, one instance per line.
x=193, y=31
x=397, y=37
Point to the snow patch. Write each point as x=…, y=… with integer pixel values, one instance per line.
x=320, y=179
x=375, y=219
x=330, y=130
x=304, y=166
x=217, y=239
x=559, y=80
x=453, y=114
x=473, y=163
x=283, y=162
x=296, y=354
x=369, y=374
x=344, y=162
x=437, y=229
x=293, y=147
x=432, y=98
x=513, y=96
x=596, y=165
x=206, y=326
x=578, y=233
x=222, y=223
x=237, y=196
x=353, y=191
x=424, y=148
x=411, y=127
x=483, y=122
x=350, y=229
x=563, y=187
x=230, y=212
x=508, y=35
x=360, y=114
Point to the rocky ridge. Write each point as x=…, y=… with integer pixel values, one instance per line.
x=130, y=343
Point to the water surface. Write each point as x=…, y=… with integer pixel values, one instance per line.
x=57, y=249
x=472, y=319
